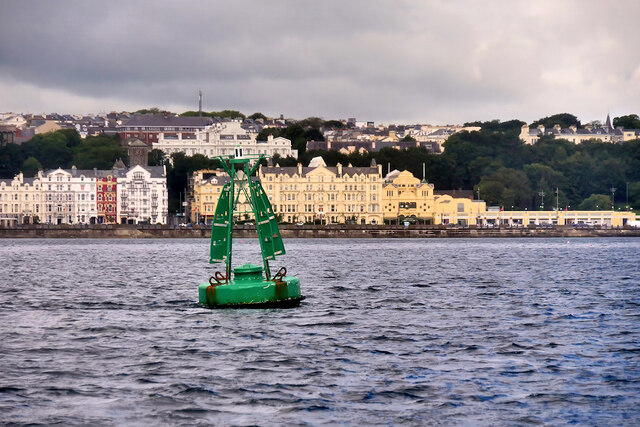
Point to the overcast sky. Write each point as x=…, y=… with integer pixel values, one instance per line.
x=418, y=61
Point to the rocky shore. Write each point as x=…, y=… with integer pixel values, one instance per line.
x=313, y=231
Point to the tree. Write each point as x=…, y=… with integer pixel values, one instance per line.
x=192, y=113
x=98, y=152
x=631, y=121
x=228, y=114
x=634, y=195
x=72, y=136
x=596, y=202
x=497, y=126
x=265, y=132
x=313, y=134
x=506, y=187
x=50, y=149
x=296, y=134
x=11, y=157
x=563, y=119
x=178, y=172
x=256, y=116
x=333, y=124
x=153, y=110
x=31, y=166
x=156, y=157
x=408, y=137
x=311, y=122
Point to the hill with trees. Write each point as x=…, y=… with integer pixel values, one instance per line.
x=493, y=161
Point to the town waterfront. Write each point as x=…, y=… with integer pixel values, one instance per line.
x=393, y=331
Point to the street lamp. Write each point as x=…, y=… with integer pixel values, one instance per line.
x=541, y=194
x=613, y=194
x=627, y=198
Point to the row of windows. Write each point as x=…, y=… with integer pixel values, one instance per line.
x=331, y=187
x=6, y=197
x=320, y=178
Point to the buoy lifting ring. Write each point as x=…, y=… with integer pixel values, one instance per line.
x=220, y=279
x=280, y=275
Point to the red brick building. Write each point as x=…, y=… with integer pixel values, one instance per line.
x=147, y=127
x=107, y=202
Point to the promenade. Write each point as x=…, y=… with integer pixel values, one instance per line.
x=308, y=231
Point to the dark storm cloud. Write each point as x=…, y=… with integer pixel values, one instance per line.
x=404, y=60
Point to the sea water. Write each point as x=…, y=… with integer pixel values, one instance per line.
x=393, y=332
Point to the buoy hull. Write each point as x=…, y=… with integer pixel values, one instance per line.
x=252, y=294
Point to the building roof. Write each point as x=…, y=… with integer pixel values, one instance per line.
x=293, y=170
x=466, y=194
x=157, y=120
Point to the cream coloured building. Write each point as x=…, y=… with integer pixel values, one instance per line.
x=495, y=217
x=222, y=139
x=21, y=200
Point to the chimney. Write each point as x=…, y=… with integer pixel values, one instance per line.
x=300, y=169
x=339, y=165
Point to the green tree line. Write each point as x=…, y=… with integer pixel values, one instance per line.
x=63, y=148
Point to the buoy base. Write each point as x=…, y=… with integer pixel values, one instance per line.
x=257, y=293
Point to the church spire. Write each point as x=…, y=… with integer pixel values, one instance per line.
x=608, y=122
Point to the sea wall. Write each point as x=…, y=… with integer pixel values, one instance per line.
x=291, y=231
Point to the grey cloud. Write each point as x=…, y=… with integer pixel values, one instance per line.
x=408, y=60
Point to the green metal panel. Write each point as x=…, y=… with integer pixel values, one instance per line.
x=221, y=228
x=266, y=224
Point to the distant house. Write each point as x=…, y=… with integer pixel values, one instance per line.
x=14, y=120
x=606, y=133
x=7, y=135
x=44, y=126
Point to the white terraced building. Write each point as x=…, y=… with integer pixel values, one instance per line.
x=69, y=197
x=142, y=195
x=72, y=196
x=222, y=139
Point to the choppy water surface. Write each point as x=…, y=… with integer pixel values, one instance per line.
x=412, y=332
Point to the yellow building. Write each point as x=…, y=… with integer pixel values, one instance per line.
x=322, y=194
x=205, y=187
x=405, y=197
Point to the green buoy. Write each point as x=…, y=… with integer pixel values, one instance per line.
x=251, y=286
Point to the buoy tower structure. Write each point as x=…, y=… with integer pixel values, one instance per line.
x=249, y=285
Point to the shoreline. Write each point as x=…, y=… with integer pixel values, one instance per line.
x=306, y=231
